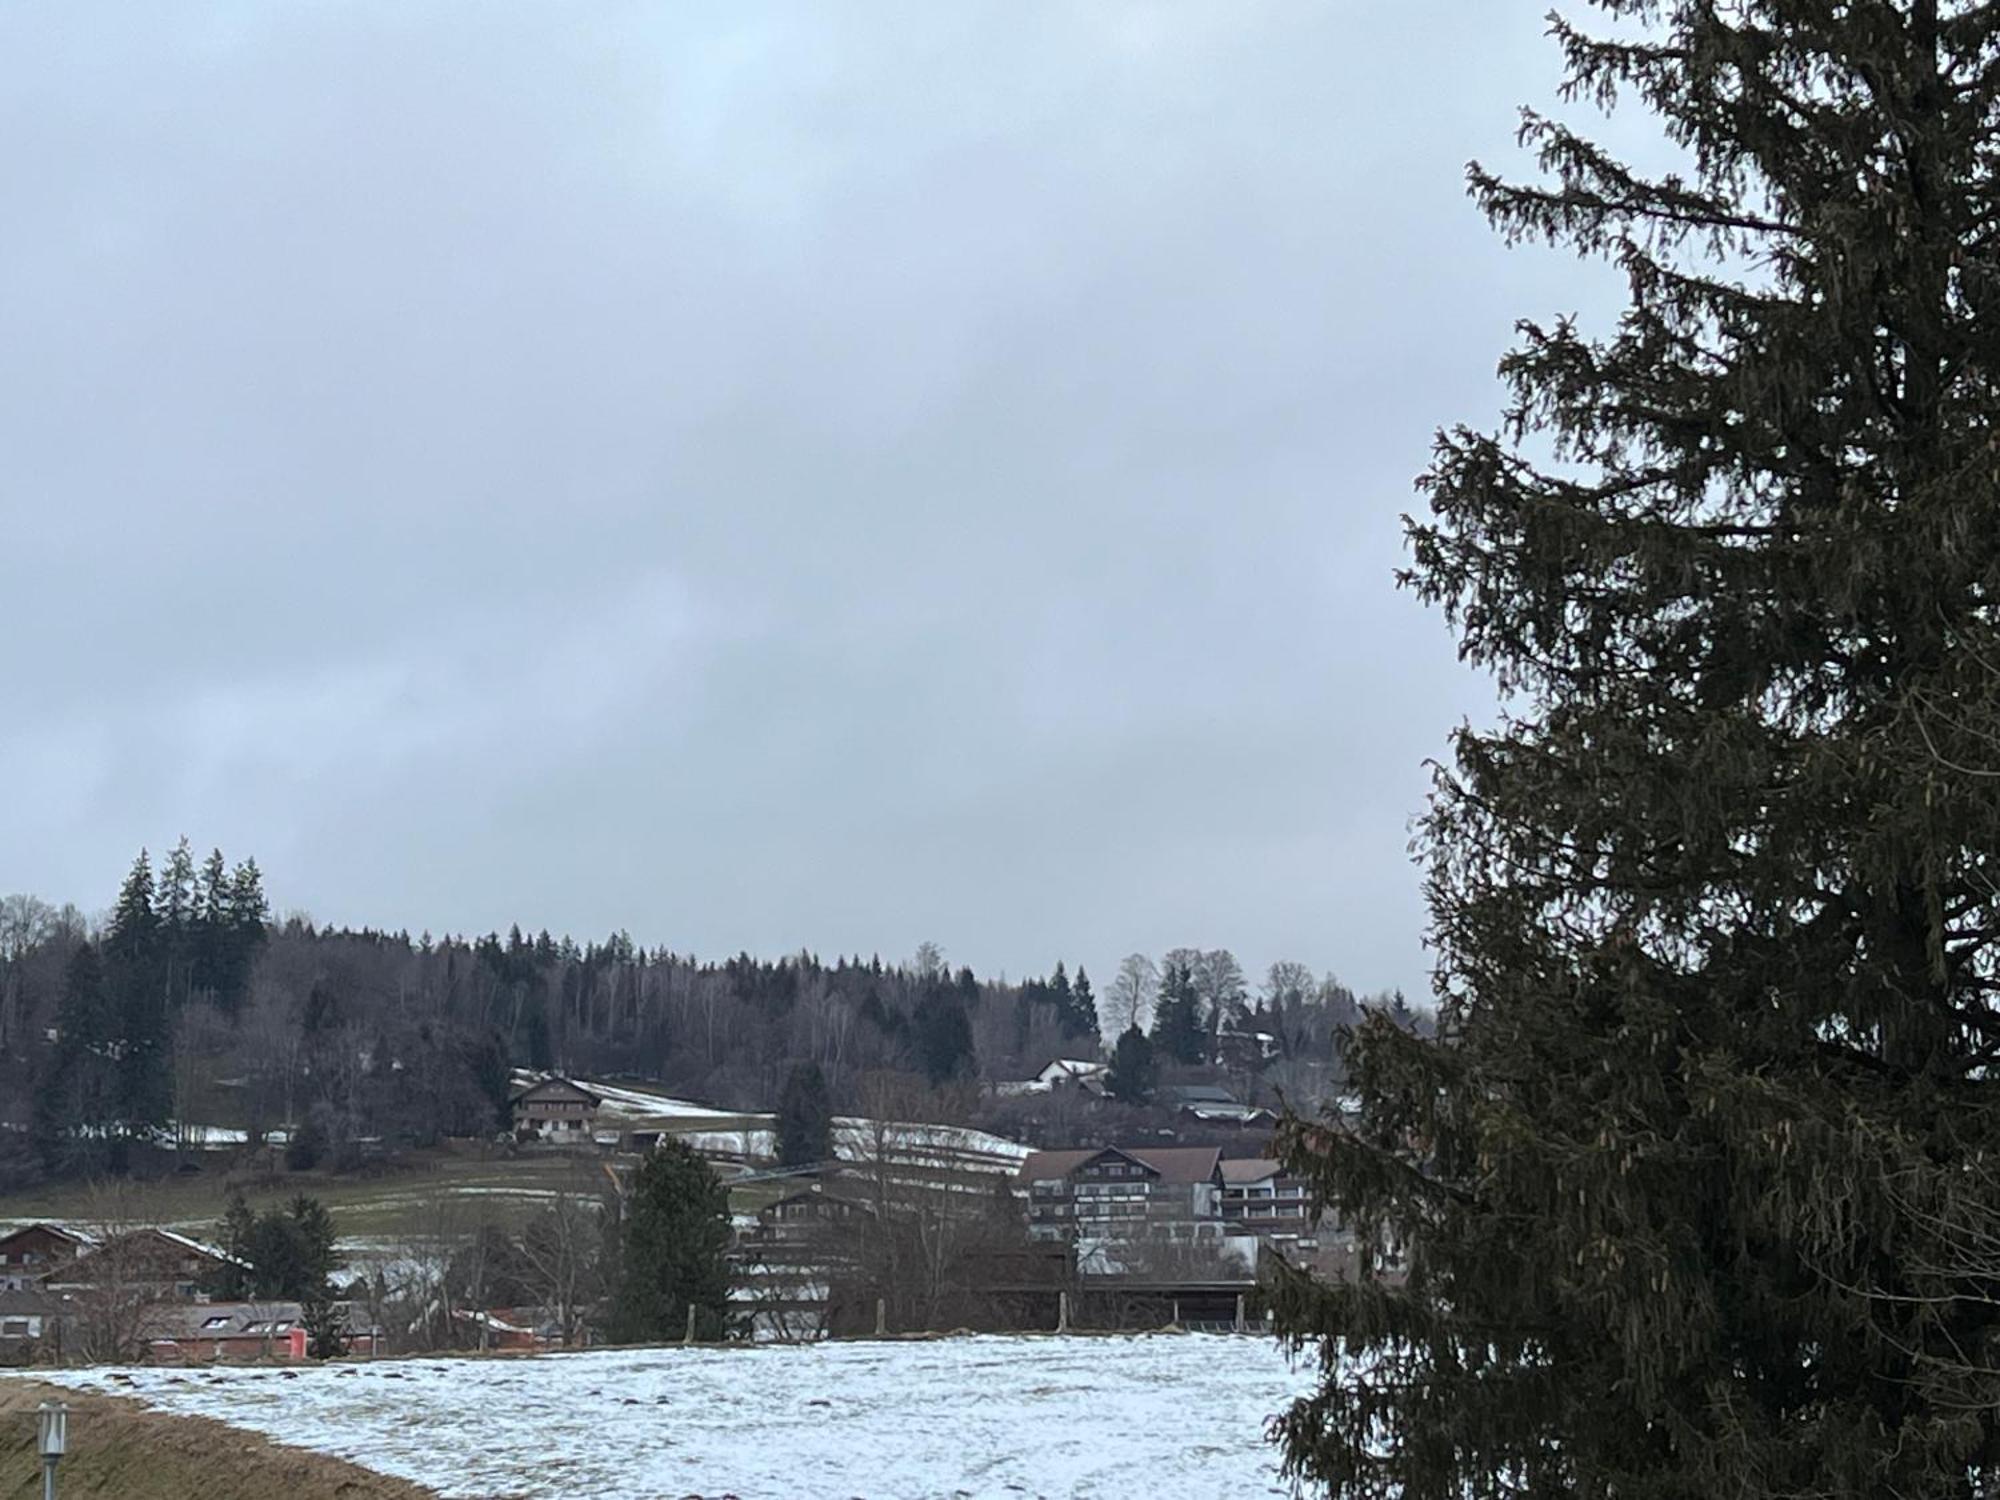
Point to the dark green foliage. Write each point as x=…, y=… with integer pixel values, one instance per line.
x=307, y=1145
x=1132, y=1074
x=325, y=1324
x=230, y=927
x=805, y=1118
x=231, y=1281
x=1076, y=1010
x=1697, y=1180
x=78, y=1094
x=286, y=1254
x=942, y=1032
x=136, y=987
x=109, y=1077
x=673, y=1250
x=1178, y=1032
x=488, y=1061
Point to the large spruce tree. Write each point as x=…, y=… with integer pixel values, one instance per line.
x=673, y=1251
x=1697, y=1182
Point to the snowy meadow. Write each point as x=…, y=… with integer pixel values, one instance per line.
x=1166, y=1415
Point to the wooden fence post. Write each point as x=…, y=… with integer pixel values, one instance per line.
x=690, y=1333
x=881, y=1316
x=1062, y=1312
x=1240, y=1323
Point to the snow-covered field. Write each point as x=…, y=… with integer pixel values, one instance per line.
x=1177, y=1417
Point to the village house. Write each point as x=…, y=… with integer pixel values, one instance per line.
x=212, y=1332
x=29, y=1254
x=804, y=1217
x=1111, y=1192
x=1059, y=1073
x=166, y=1266
x=788, y=1256
x=555, y=1109
x=28, y=1324
x=513, y=1329
x=1260, y=1196
x=1212, y=1105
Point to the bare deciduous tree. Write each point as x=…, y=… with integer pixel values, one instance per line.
x=1128, y=1000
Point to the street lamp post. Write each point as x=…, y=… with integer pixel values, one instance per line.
x=52, y=1438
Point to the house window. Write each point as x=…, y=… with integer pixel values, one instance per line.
x=14, y=1328
x=221, y=1322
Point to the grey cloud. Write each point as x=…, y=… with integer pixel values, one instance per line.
x=762, y=476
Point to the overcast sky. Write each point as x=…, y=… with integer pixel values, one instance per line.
x=761, y=477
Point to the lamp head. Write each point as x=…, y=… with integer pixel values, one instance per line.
x=52, y=1429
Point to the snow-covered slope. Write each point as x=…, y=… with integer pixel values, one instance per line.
x=741, y=1135
x=1161, y=1415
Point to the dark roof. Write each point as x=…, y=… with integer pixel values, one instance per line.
x=61, y=1231
x=817, y=1194
x=540, y=1085
x=1197, y=1093
x=237, y=1320
x=1174, y=1164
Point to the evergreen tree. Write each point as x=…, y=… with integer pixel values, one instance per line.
x=325, y=1324
x=211, y=925
x=176, y=900
x=234, y=1235
x=129, y=937
x=1132, y=1074
x=307, y=1144
x=1083, y=1000
x=1177, y=1029
x=1076, y=1014
x=77, y=1098
x=805, y=1118
x=673, y=1252
x=943, y=1033
x=135, y=984
x=229, y=927
x=319, y=1248
x=1695, y=1182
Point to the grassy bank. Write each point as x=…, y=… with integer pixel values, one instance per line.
x=118, y=1448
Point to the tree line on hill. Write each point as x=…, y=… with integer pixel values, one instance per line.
x=188, y=1002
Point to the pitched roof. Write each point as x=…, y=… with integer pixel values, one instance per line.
x=213, y=1252
x=76, y=1237
x=529, y=1091
x=1244, y=1169
x=818, y=1193
x=271, y=1319
x=153, y=1231
x=1174, y=1164
x=1076, y=1067
x=1197, y=1093
x=221, y=1320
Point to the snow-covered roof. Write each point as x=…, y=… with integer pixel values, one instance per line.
x=1071, y=1067
x=60, y=1231
x=186, y=1243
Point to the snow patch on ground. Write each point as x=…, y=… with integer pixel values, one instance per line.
x=1177, y=1416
